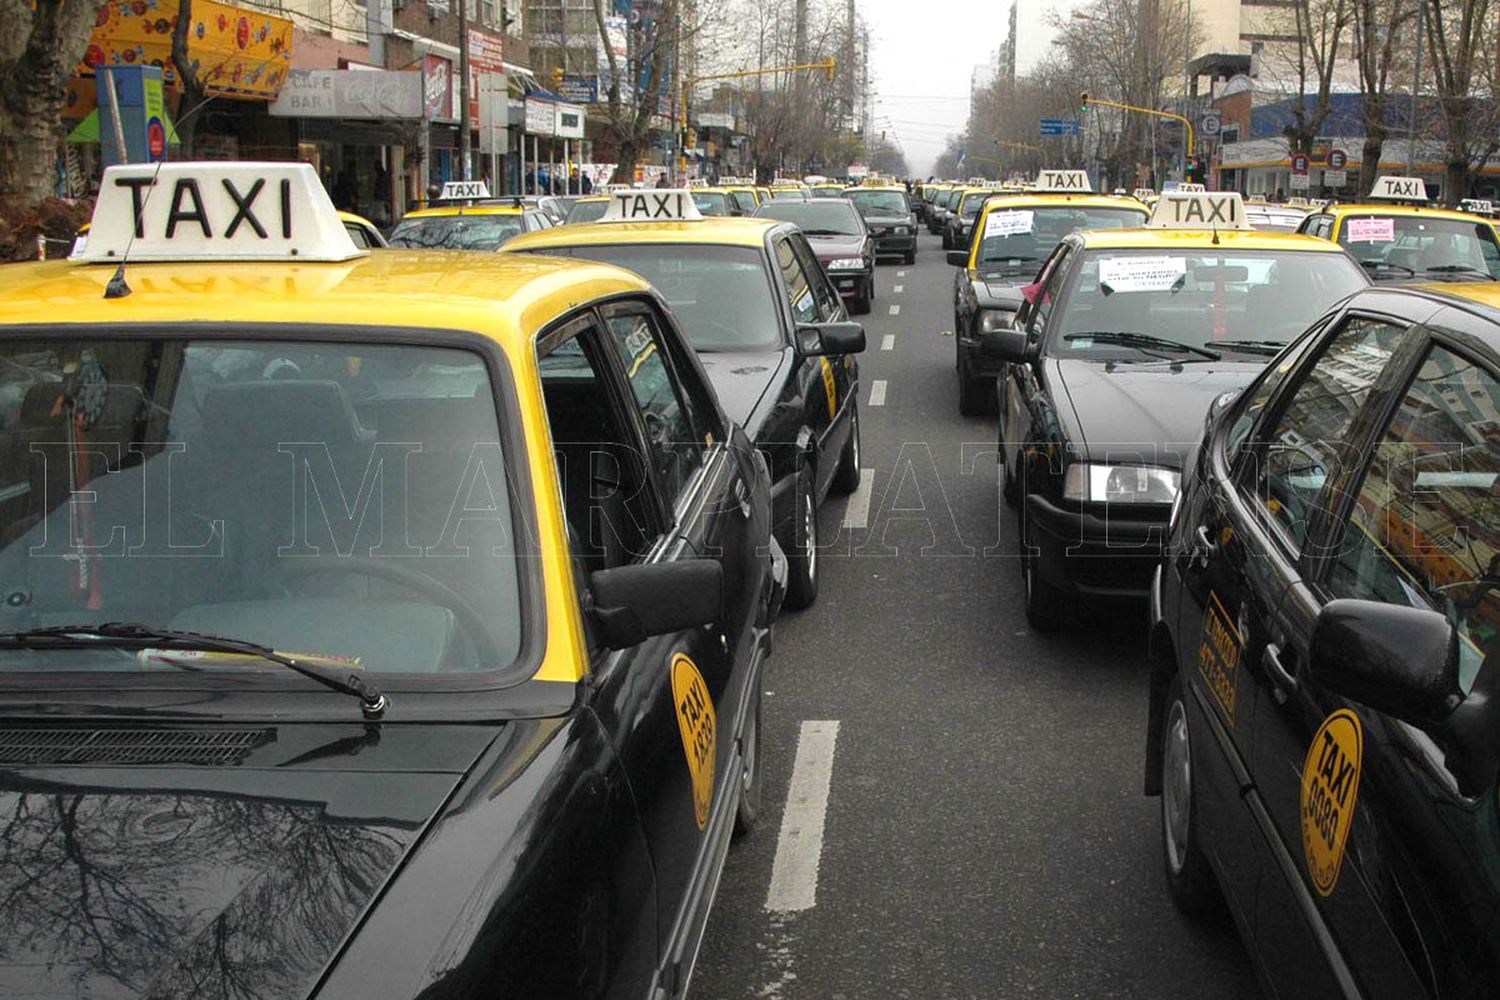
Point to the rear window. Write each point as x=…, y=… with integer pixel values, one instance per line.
x=816, y=218
x=879, y=202
x=455, y=232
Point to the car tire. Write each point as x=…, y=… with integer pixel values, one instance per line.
x=1044, y=602
x=1190, y=880
x=910, y=258
x=802, y=552
x=747, y=812
x=846, y=477
x=1010, y=490
x=859, y=306
x=976, y=393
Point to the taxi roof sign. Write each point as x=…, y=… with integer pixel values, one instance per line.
x=464, y=191
x=1399, y=189
x=652, y=205
x=199, y=211
x=1141, y=194
x=1063, y=182
x=1199, y=210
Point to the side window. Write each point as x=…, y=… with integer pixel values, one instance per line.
x=1422, y=531
x=827, y=298
x=1253, y=403
x=604, y=486
x=357, y=235
x=1306, y=445
x=675, y=445
x=799, y=288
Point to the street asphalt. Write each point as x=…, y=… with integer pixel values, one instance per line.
x=983, y=832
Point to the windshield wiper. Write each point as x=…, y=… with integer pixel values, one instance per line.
x=1144, y=341
x=1253, y=346
x=132, y=634
x=1373, y=264
x=825, y=232
x=1463, y=269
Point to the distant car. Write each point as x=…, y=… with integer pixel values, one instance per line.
x=716, y=201
x=887, y=213
x=960, y=221
x=587, y=209
x=362, y=231
x=1324, y=636
x=826, y=190
x=477, y=227
x=840, y=238
x=1274, y=218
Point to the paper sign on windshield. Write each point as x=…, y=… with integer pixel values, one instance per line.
x=1371, y=230
x=1008, y=223
x=1141, y=274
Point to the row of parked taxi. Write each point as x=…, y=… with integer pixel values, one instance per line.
x=1288, y=444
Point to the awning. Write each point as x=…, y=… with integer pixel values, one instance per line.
x=239, y=53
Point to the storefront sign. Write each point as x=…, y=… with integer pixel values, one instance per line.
x=348, y=93
x=541, y=117
x=486, y=59
x=579, y=89
x=437, y=73
x=569, y=122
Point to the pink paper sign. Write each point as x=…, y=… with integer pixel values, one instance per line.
x=1371, y=230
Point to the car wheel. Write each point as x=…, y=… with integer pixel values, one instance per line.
x=1044, y=606
x=859, y=306
x=1010, y=490
x=846, y=478
x=976, y=393
x=747, y=813
x=911, y=258
x=1189, y=878
x=802, y=553
x=947, y=243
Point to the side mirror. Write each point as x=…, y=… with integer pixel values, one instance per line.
x=818, y=339
x=633, y=603
x=1007, y=345
x=958, y=258
x=1403, y=661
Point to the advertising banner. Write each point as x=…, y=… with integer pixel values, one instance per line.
x=486, y=58
x=437, y=73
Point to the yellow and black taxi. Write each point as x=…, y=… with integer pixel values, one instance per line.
x=712, y=201
x=770, y=330
x=943, y=206
x=1126, y=338
x=1399, y=239
x=1011, y=237
x=742, y=193
x=842, y=242
x=887, y=212
x=460, y=224
x=373, y=624
x=960, y=222
x=1326, y=625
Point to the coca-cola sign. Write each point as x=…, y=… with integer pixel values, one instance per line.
x=350, y=93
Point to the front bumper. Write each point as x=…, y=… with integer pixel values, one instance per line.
x=1093, y=553
x=889, y=243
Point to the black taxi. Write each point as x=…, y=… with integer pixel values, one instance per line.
x=770, y=329
x=371, y=624
x=1324, y=722
x=1126, y=338
x=1011, y=237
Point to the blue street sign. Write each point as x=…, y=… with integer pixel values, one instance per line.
x=1059, y=126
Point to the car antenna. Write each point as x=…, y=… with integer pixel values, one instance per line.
x=1215, y=240
x=118, y=287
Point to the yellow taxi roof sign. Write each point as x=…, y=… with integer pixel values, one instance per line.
x=1399, y=189
x=214, y=211
x=652, y=205
x=1199, y=210
x=1141, y=194
x=1064, y=182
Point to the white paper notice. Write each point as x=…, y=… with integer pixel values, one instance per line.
x=1371, y=230
x=1141, y=274
x=1008, y=223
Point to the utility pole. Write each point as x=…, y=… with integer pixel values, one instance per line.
x=465, y=159
x=799, y=86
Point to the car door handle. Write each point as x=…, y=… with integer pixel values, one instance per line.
x=1282, y=681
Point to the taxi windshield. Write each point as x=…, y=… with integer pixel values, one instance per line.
x=588, y=211
x=455, y=232
x=722, y=295
x=817, y=218
x=344, y=502
x=1393, y=247
x=1025, y=236
x=711, y=202
x=1252, y=300
x=879, y=202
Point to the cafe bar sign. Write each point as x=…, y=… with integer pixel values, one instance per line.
x=350, y=93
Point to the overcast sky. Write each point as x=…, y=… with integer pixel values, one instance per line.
x=922, y=55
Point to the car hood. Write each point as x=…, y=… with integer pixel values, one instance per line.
x=1002, y=291
x=741, y=379
x=1144, y=409
x=828, y=247
x=186, y=862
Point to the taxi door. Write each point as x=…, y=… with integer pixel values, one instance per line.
x=678, y=703
x=1023, y=407
x=1303, y=455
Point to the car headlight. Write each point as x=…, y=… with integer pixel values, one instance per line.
x=846, y=264
x=1087, y=481
x=991, y=320
x=902, y=231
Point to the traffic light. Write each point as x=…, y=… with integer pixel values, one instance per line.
x=1083, y=101
x=557, y=76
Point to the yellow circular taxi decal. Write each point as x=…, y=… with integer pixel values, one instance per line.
x=695, y=720
x=1330, y=789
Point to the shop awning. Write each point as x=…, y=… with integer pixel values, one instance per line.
x=239, y=53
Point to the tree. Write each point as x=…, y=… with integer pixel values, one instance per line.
x=1306, y=63
x=1378, y=24
x=41, y=41
x=1461, y=36
x=193, y=95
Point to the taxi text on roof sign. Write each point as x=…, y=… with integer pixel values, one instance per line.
x=1399, y=189
x=1199, y=210
x=214, y=211
x=464, y=191
x=662, y=205
x=1141, y=194
x=1063, y=181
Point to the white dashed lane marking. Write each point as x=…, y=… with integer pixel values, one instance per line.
x=900, y=274
x=888, y=342
x=897, y=289
x=799, y=847
x=857, y=510
x=877, y=392
x=895, y=310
